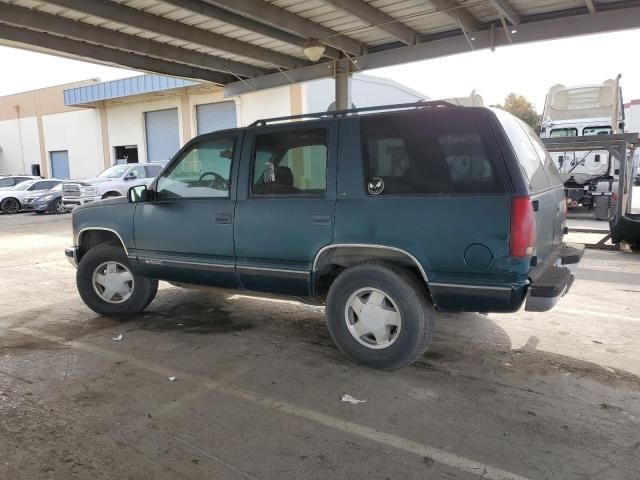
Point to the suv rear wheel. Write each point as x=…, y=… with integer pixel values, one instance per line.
x=108, y=285
x=378, y=315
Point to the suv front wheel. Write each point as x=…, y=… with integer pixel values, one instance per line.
x=378, y=314
x=108, y=285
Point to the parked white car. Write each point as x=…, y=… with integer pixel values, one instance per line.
x=10, y=181
x=11, y=198
x=113, y=182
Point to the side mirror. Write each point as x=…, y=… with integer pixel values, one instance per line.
x=139, y=193
x=130, y=176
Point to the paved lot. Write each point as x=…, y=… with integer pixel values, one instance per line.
x=258, y=384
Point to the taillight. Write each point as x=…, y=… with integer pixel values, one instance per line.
x=523, y=227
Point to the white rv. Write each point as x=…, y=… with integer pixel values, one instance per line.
x=580, y=111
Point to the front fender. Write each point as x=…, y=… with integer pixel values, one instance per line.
x=114, y=215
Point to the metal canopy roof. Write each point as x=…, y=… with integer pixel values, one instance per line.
x=250, y=45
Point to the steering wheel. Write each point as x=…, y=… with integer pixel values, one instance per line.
x=218, y=181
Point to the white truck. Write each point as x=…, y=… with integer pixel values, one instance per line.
x=580, y=111
x=113, y=182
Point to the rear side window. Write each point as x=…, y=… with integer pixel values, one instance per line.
x=290, y=163
x=525, y=151
x=427, y=153
x=549, y=166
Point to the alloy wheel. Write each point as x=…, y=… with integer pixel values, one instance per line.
x=373, y=318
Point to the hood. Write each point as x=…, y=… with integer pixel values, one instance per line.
x=86, y=182
x=102, y=203
x=38, y=195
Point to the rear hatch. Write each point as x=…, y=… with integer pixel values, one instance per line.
x=544, y=191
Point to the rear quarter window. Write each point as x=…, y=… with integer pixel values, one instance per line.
x=428, y=153
x=525, y=151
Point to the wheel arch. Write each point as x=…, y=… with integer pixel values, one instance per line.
x=12, y=198
x=111, y=193
x=330, y=260
x=90, y=237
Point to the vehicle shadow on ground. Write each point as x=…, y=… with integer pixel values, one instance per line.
x=466, y=343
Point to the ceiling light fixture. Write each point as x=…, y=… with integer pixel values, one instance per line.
x=313, y=50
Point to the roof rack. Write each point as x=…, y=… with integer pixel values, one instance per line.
x=340, y=113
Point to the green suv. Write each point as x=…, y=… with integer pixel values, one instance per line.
x=387, y=216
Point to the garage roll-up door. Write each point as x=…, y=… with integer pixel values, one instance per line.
x=163, y=139
x=216, y=116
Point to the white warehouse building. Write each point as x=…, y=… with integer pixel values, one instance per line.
x=76, y=130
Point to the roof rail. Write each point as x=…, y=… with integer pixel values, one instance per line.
x=340, y=113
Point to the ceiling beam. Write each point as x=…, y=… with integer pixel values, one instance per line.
x=44, y=22
x=97, y=53
x=590, y=6
x=505, y=10
x=377, y=19
x=532, y=29
x=265, y=12
x=208, y=10
x=145, y=21
x=465, y=20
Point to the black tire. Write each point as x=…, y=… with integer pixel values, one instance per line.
x=635, y=246
x=410, y=297
x=144, y=289
x=10, y=206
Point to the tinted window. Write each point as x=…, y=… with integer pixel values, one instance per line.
x=290, y=163
x=526, y=153
x=152, y=171
x=564, y=132
x=549, y=166
x=597, y=131
x=202, y=171
x=6, y=182
x=436, y=152
x=46, y=185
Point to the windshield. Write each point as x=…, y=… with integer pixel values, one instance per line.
x=23, y=186
x=114, y=172
x=57, y=188
x=564, y=132
x=596, y=131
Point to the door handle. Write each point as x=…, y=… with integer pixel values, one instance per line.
x=317, y=219
x=223, y=218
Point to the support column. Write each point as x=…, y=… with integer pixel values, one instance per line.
x=104, y=132
x=342, y=85
x=185, y=114
x=44, y=164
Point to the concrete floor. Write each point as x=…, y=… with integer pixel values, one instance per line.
x=259, y=382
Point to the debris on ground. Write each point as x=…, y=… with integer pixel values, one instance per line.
x=172, y=379
x=353, y=401
x=117, y=338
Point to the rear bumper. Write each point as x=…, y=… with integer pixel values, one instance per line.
x=555, y=282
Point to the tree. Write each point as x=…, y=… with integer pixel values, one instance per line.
x=522, y=108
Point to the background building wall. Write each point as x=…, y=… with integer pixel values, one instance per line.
x=20, y=146
x=364, y=91
x=79, y=133
x=125, y=122
x=27, y=110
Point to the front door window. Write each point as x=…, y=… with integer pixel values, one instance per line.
x=203, y=171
